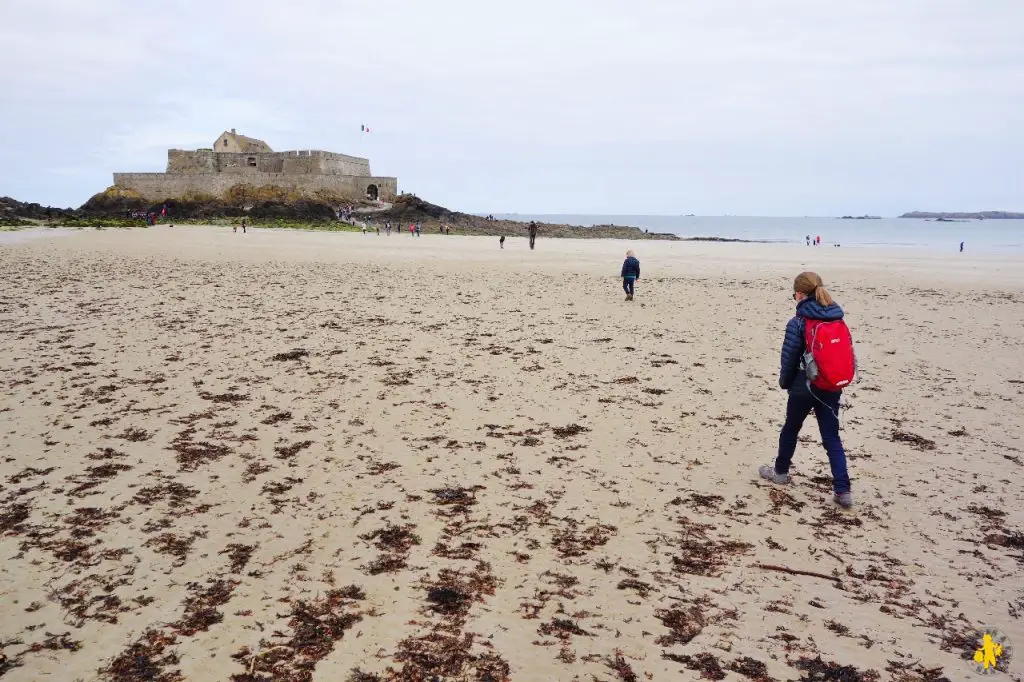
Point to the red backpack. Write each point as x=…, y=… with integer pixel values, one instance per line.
x=829, y=360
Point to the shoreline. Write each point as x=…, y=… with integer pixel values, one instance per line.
x=706, y=258
x=1009, y=250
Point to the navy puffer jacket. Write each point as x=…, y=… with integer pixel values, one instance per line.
x=791, y=373
x=631, y=268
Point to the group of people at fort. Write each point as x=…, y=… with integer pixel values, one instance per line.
x=415, y=229
x=151, y=217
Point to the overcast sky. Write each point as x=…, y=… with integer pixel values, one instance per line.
x=746, y=107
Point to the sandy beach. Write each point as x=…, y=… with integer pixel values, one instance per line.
x=298, y=455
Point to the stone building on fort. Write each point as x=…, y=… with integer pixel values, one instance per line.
x=239, y=160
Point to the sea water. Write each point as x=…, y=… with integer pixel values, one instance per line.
x=977, y=235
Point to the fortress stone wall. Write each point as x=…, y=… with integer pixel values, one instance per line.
x=181, y=161
x=160, y=186
x=214, y=172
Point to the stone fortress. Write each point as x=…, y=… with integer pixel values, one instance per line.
x=239, y=160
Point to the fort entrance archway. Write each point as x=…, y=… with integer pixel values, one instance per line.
x=372, y=193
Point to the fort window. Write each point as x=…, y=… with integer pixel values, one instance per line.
x=252, y=161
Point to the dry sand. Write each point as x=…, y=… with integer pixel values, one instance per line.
x=284, y=454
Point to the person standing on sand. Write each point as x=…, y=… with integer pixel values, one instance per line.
x=630, y=274
x=813, y=302
x=808, y=238
x=501, y=242
x=533, y=234
x=961, y=247
x=243, y=225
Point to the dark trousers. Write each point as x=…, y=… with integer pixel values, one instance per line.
x=533, y=238
x=799, y=406
x=627, y=285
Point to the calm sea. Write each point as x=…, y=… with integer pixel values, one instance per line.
x=977, y=235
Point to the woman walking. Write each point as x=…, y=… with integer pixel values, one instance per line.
x=804, y=373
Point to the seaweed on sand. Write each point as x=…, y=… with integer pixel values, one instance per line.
x=683, y=624
x=316, y=627
x=569, y=430
x=445, y=652
x=702, y=555
x=572, y=543
x=191, y=454
x=296, y=354
x=642, y=588
x=146, y=660
x=13, y=516
x=706, y=663
x=395, y=543
x=817, y=670
x=289, y=451
x=239, y=555
x=751, y=668
x=919, y=442
x=621, y=668
x=201, y=606
x=176, y=494
x=175, y=545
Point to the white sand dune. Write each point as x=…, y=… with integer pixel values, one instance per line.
x=296, y=455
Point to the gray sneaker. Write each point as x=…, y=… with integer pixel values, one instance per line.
x=769, y=474
x=844, y=500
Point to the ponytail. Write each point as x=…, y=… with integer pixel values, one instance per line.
x=810, y=284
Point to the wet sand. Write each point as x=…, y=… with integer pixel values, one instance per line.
x=265, y=456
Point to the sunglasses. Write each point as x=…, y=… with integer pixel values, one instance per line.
x=794, y=295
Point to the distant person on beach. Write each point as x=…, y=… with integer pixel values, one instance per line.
x=829, y=360
x=808, y=238
x=961, y=247
x=630, y=274
x=501, y=242
x=533, y=234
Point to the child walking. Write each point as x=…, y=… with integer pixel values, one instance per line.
x=630, y=274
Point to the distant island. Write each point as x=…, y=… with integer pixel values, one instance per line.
x=980, y=215
x=861, y=217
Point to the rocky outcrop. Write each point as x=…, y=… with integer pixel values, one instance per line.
x=14, y=212
x=979, y=215
x=117, y=203
x=124, y=206
x=408, y=208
